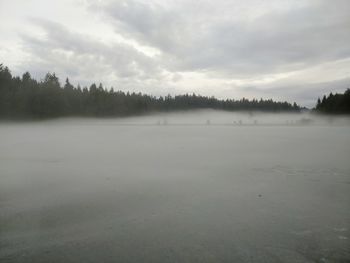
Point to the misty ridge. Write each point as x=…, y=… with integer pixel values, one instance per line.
x=27, y=97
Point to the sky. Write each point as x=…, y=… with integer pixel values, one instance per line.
x=294, y=50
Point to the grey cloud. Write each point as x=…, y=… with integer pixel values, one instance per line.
x=73, y=54
x=204, y=46
x=193, y=37
x=305, y=94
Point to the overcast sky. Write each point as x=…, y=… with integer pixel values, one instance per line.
x=286, y=50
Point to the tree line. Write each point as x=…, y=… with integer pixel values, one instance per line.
x=334, y=103
x=25, y=97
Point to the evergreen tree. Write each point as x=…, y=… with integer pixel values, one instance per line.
x=25, y=97
x=334, y=103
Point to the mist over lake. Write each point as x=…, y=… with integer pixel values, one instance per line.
x=164, y=131
x=200, y=186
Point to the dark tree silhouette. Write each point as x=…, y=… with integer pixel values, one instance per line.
x=334, y=103
x=27, y=98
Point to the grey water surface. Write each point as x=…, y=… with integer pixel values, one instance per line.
x=203, y=186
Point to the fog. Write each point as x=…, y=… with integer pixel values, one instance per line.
x=203, y=186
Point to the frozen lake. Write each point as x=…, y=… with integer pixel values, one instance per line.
x=188, y=187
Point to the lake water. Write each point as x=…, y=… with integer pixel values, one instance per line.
x=200, y=186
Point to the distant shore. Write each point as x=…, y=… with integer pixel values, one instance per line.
x=24, y=97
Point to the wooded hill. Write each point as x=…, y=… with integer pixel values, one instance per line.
x=25, y=97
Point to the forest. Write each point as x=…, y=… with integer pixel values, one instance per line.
x=25, y=97
x=334, y=103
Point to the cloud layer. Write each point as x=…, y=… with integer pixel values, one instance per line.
x=293, y=50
